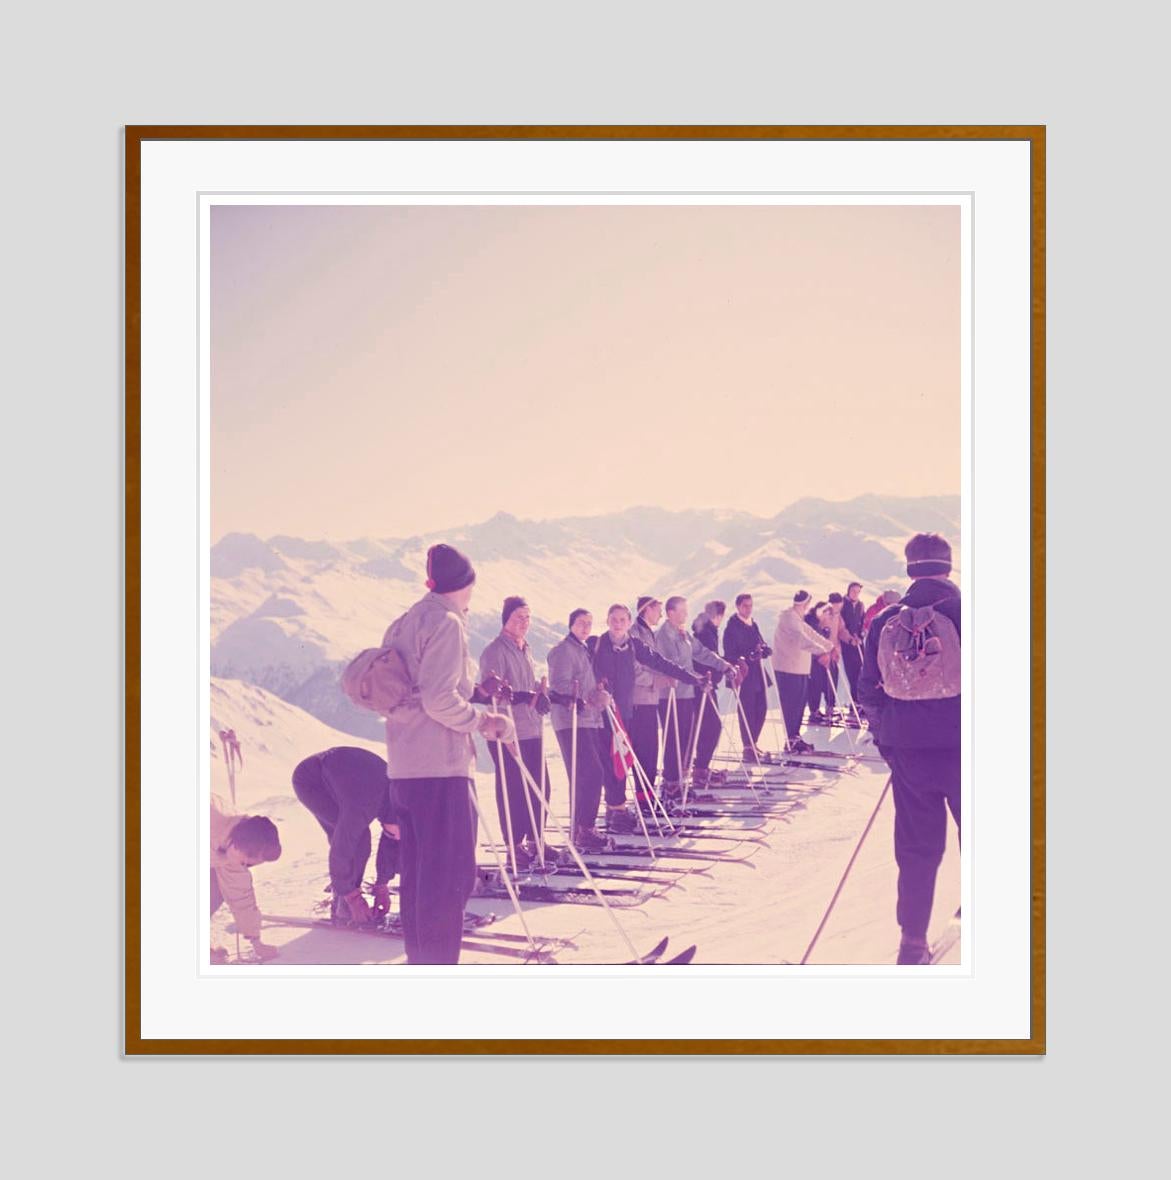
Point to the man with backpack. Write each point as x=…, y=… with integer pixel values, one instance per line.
x=430, y=756
x=345, y=788
x=910, y=683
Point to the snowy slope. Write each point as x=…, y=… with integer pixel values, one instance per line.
x=762, y=911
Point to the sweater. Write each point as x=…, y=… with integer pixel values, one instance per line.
x=618, y=666
x=681, y=647
x=794, y=644
x=430, y=735
x=571, y=674
x=515, y=665
x=235, y=881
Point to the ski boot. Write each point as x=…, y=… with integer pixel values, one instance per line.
x=619, y=821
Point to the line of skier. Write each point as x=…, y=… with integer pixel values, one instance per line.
x=646, y=689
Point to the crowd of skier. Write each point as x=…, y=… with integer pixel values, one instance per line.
x=639, y=702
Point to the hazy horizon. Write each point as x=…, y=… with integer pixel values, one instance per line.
x=478, y=521
x=387, y=371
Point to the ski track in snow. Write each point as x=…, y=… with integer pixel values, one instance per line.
x=765, y=915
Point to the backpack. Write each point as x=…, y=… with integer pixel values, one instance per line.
x=377, y=679
x=919, y=655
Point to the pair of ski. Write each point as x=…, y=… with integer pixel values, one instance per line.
x=491, y=942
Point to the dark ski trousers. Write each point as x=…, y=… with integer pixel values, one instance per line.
x=590, y=772
x=520, y=798
x=686, y=712
x=347, y=866
x=438, y=824
x=926, y=785
x=820, y=685
x=755, y=705
x=613, y=786
x=852, y=662
x=644, y=738
x=709, y=731
x=793, y=688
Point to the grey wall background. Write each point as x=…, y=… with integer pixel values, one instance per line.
x=77, y=73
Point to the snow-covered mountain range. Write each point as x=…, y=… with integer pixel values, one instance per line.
x=287, y=614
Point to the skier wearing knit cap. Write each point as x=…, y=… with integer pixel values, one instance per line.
x=510, y=658
x=794, y=645
x=574, y=689
x=910, y=684
x=430, y=754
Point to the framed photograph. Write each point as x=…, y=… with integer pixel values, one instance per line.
x=581, y=583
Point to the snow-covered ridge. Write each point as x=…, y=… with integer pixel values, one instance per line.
x=287, y=613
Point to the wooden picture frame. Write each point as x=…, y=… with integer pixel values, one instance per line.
x=151, y=151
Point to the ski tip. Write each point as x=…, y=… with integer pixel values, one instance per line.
x=682, y=958
x=650, y=956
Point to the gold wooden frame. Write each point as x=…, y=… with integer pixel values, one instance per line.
x=134, y=1042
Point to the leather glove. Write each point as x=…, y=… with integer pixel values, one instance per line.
x=496, y=727
x=765, y=652
x=381, y=900
x=598, y=699
x=541, y=703
x=496, y=686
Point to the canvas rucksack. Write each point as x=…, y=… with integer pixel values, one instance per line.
x=377, y=678
x=919, y=655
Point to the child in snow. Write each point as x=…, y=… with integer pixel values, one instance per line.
x=238, y=843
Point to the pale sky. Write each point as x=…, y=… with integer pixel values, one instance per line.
x=384, y=371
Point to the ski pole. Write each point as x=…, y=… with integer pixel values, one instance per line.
x=854, y=856
x=783, y=729
x=528, y=801
x=697, y=722
x=673, y=713
x=503, y=771
x=755, y=751
x=586, y=874
x=508, y=885
x=624, y=746
x=573, y=763
x=648, y=788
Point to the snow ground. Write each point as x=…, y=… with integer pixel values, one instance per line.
x=763, y=910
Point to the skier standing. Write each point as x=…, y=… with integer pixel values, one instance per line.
x=677, y=644
x=744, y=642
x=851, y=613
x=430, y=754
x=820, y=618
x=618, y=658
x=573, y=688
x=509, y=658
x=345, y=788
x=644, y=724
x=706, y=629
x=795, y=643
x=911, y=682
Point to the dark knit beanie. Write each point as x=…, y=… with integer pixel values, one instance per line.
x=511, y=603
x=574, y=615
x=927, y=554
x=645, y=600
x=448, y=569
x=835, y=597
x=801, y=596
